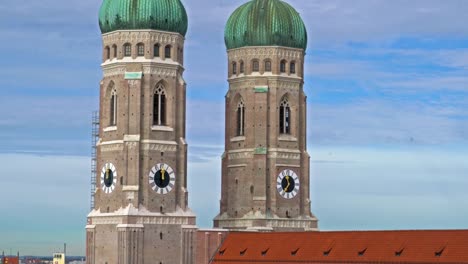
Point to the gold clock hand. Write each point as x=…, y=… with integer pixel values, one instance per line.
x=287, y=186
x=107, y=174
x=163, y=172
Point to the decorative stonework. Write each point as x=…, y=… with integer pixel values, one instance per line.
x=265, y=52
x=301, y=224
x=120, y=70
x=284, y=155
x=142, y=36
x=112, y=147
x=244, y=154
x=159, y=147
x=160, y=71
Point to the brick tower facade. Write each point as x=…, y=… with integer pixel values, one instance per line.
x=265, y=166
x=141, y=212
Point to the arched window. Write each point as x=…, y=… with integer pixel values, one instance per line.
x=159, y=106
x=107, y=53
x=167, y=52
x=234, y=68
x=268, y=66
x=141, y=49
x=292, y=67
x=113, y=108
x=127, y=50
x=283, y=66
x=241, y=67
x=255, y=66
x=156, y=50
x=114, y=51
x=240, y=118
x=285, y=117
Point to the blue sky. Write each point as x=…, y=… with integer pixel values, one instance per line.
x=387, y=86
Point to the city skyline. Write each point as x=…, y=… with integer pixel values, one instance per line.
x=387, y=121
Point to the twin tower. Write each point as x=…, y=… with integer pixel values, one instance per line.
x=141, y=212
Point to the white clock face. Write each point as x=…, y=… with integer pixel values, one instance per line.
x=162, y=178
x=287, y=184
x=108, y=178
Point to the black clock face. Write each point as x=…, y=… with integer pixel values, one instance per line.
x=162, y=178
x=108, y=178
x=288, y=184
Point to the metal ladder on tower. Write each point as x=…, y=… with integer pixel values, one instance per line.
x=94, y=140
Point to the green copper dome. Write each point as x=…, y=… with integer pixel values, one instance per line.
x=165, y=15
x=265, y=23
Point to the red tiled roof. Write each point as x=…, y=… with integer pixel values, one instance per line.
x=435, y=246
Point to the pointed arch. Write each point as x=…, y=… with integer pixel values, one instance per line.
x=112, y=104
x=159, y=105
x=292, y=67
x=283, y=66
x=285, y=116
x=140, y=49
x=241, y=67
x=267, y=65
x=127, y=48
x=255, y=65
x=114, y=51
x=240, y=117
x=234, y=68
x=156, y=49
x=167, y=52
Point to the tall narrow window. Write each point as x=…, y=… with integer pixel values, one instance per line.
x=292, y=68
x=241, y=67
x=107, y=53
x=268, y=66
x=113, y=108
x=114, y=51
x=159, y=106
x=285, y=117
x=141, y=49
x=240, y=118
x=255, y=66
x=234, y=68
x=167, y=52
x=156, y=50
x=283, y=66
x=127, y=50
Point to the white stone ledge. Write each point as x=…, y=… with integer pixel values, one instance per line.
x=237, y=166
x=130, y=188
x=287, y=138
x=236, y=139
x=110, y=128
x=162, y=128
x=288, y=165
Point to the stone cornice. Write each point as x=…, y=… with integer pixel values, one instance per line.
x=135, y=36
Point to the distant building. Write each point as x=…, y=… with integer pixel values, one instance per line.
x=59, y=258
x=9, y=260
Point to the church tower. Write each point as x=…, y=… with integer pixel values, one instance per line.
x=265, y=166
x=141, y=212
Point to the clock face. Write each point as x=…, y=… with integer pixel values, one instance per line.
x=287, y=184
x=162, y=178
x=108, y=178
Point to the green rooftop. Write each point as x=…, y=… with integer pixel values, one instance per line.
x=165, y=15
x=265, y=23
